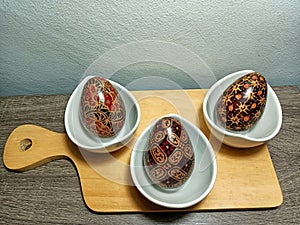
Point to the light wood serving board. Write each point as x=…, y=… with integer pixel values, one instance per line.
x=246, y=178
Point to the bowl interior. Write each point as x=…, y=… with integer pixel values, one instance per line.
x=84, y=139
x=195, y=188
x=269, y=123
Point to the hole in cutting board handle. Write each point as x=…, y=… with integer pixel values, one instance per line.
x=25, y=144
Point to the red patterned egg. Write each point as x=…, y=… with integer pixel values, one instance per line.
x=102, y=108
x=169, y=158
x=242, y=103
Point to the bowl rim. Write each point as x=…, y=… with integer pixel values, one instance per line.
x=104, y=146
x=213, y=166
x=241, y=135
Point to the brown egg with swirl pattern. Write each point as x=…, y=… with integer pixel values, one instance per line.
x=169, y=158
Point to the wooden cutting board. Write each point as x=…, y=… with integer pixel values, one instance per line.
x=246, y=178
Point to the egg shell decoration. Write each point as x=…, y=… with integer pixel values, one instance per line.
x=242, y=103
x=102, y=109
x=169, y=159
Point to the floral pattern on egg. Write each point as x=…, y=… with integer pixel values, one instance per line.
x=102, y=108
x=169, y=159
x=242, y=103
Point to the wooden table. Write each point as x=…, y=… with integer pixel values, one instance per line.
x=50, y=194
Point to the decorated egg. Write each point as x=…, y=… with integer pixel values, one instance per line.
x=169, y=158
x=102, y=109
x=242, y=103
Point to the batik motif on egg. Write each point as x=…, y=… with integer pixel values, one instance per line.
x=242, y=103
x=102, y=108
x=169, y=159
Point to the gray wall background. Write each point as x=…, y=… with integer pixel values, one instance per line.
x=47, y=45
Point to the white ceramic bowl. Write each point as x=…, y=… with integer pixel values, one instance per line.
x=264, y=129
x=195, y=188
x=84, y=139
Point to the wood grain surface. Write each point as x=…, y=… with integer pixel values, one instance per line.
x=50, y=194
x=245, y=180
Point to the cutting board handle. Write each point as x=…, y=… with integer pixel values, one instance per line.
x=29, y=146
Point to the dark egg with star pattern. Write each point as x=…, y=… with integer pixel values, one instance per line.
x=169, y=158
x=242, y=103
x=102, y=109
